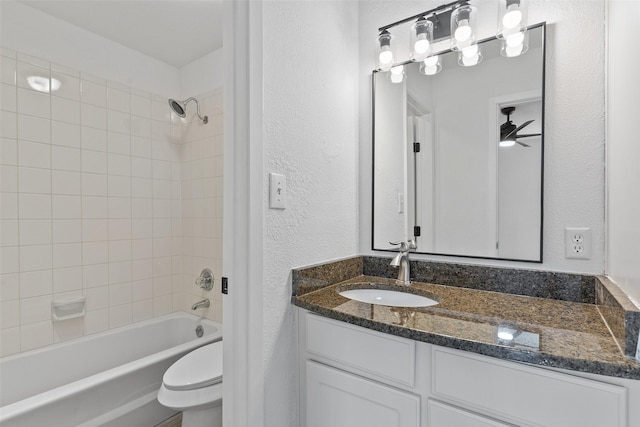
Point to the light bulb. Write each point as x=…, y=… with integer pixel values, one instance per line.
x=507, y=143
x=398, y=69
x=397, y=74
x=470, y=51
x=463, y=32
x=505, y=335
x=513, y=17
x=421, y=45
x=432, y=61
x=385, y=58
x=515, y=39
x=512, y=51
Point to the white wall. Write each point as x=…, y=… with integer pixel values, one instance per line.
x=574, y=138
x=202, y=75
x=310, y=88
x=623, y=148
x=38, y=34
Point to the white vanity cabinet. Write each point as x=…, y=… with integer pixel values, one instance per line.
x=352, y=376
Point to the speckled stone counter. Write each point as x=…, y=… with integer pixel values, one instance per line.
x=557, y=332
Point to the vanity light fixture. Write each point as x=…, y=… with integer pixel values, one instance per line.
x=385, y=56
x=512, y=27
x=421, y=38
x=431, y=65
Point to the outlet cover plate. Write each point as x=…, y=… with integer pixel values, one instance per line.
x=577, y=243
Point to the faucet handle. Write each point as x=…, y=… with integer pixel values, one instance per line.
x=405, y=246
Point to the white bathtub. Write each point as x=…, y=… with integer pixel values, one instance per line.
x=106, y=379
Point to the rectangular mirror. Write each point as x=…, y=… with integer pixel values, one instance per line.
x=473, y=184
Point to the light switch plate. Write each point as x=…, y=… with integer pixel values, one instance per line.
x=277, y=191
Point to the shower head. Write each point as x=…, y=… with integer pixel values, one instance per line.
x=180, y=108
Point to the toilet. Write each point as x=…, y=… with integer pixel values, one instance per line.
x=193, y=385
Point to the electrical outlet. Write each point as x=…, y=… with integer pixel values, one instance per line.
x=577, y=243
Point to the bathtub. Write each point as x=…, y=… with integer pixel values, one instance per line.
x=105, y=379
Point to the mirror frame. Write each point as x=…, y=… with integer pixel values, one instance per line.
x=543, y=25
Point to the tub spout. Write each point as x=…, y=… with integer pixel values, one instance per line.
x=201, y=304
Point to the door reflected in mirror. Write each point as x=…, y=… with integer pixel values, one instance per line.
x=458, y=155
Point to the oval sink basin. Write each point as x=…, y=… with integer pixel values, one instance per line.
x=388, y=297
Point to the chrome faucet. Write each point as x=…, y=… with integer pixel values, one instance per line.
x=201, y=304
x=402, y=260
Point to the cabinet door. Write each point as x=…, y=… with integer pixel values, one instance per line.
x=338, y=399
x=441, y=415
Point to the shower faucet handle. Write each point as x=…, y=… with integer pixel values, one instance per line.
x=205, y=280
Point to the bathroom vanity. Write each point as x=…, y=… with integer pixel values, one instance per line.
x=477, y=358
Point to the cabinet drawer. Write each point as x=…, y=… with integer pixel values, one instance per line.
x=526, y=395
x=338, y=399
x=441, y=415
x=364, y=352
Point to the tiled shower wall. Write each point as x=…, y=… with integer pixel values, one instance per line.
x=91, y=204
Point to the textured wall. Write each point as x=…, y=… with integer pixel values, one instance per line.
x=311, y=136
x=574, y=135
x=623, y=151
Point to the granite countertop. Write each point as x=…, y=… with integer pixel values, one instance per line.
x=548, y=332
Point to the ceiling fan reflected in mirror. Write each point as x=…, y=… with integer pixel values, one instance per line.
x=509, y=132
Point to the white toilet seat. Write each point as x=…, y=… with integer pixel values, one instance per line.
x=200, y=368
x=194, y=381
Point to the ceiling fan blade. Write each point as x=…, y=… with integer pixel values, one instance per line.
x=515, y=131
x=523, y=144
x=528, y=135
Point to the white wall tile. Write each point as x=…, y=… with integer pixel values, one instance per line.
x=25, y=70
x=95, y=207
x=67, y=231
x=9, y=235
x=65, y=182
x=94, y=276
x=9, y=314
x=95, y=252
x=142, y=269
x=92, y=116
x=119, y=122
x=8, y=71
x=96, y=321
x=66, y=207
x=9, y=286
x=119, y=251
x=94, y=139
x=65, y=134
x=10, y=339
x=8, y=151
x=35, y=231
x=36, y=129
x=96, y=298
x=161, y=189
x=119, y=207
x=141, y=167
x=70, y=84
x=119, y=143
x=36, y=335
x=36, y=283
x=36, y=309
x=119, y=229
x=10, y=259
x=67, y=255
x=65, y=158
x=33, y=154
x=162, y=305
x=141, y=147
x=69, y=329
x=142, y=310
x=119, y=186
x=8, y=124
x=118, y=100
x=94, y=184
x=67, y=279
x=140, y=127
x=34, y=206
x=8, y=98
x=32, y=180
x=65, y=110
x=119, y=165
x=119, y=294
x=141, y=208
x=34, y=103
x=141, y=106
x=142, y=289
x=120, y=315
x=94, y=93
x=94, y=230
x=142, y=228
x=94, y=161
x=8, y=178
x=142, y=248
